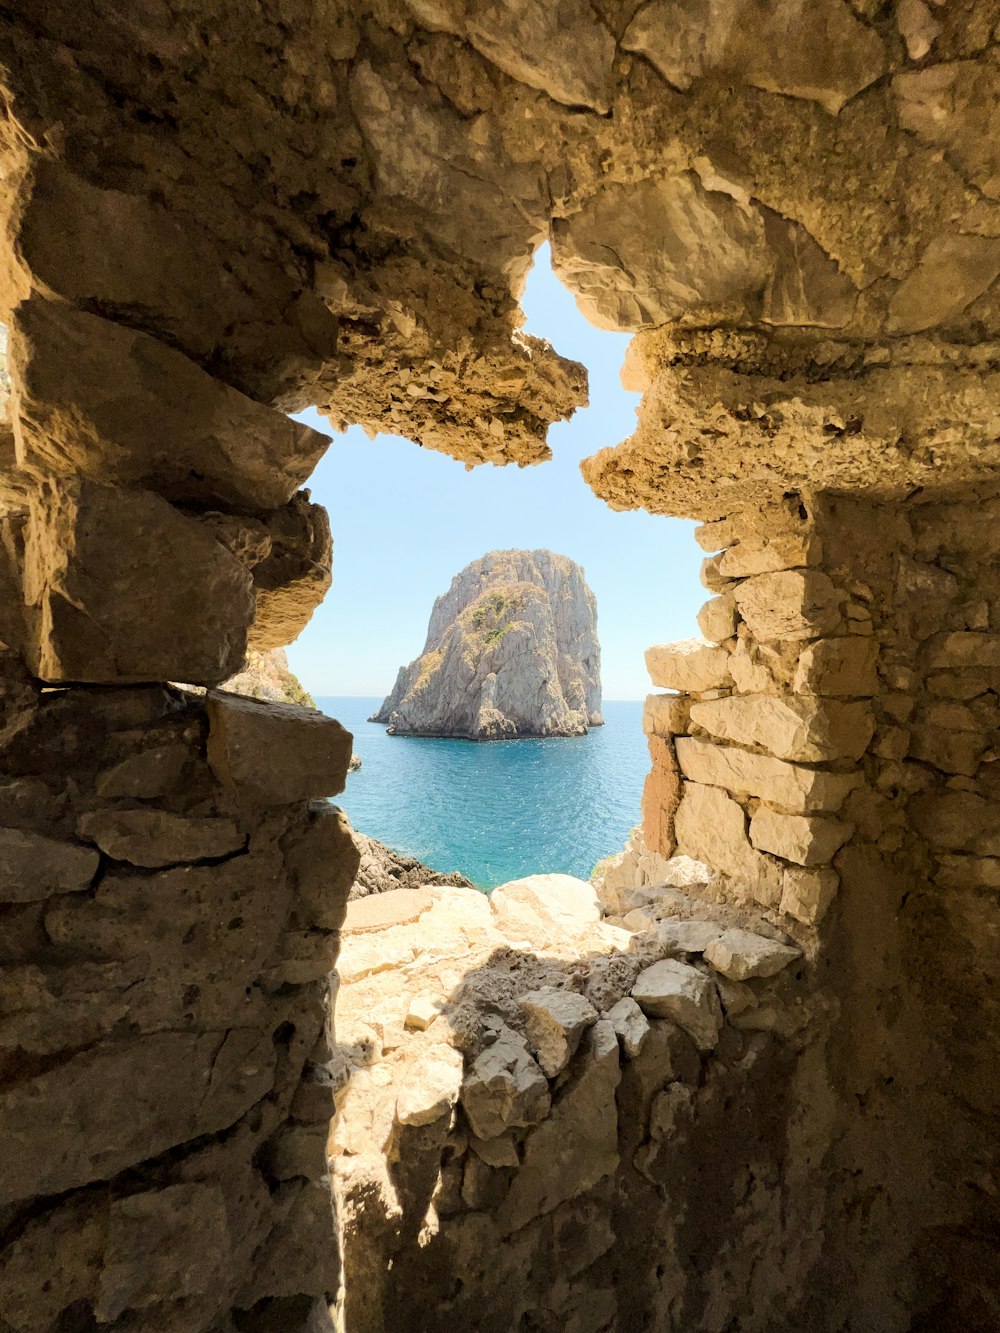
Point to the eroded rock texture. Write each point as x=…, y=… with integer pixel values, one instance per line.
x=214, y=214
x=511, y=651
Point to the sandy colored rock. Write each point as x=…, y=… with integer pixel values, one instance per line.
x=101, y=609
x=555, y=1021
x=718, y=618
x=630, y=1024
x=952, y=272
x=504, y=1088
x=789, y=605
x=844, y=666
x=422, y=1010
x=674, y=990
x=665, y=715
x=808, y=840
x=276, y=753
x=740, y=955
x=769, y=555
x=542, y=904
x=431, y=1086
x=712, y=827
x=143, y=776
x=295, y=574
x=155, y=838
x=801, y=728
x=808, y=894
x=792, y=786
x=577, y=1145
x=689, y=665
x=511, y=650
x=661, y=796
x=33, y=867
x=93, y=400
x=960, y=649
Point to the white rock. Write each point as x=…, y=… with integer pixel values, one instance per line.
x=430, y=1087
x=504, y=1088
x=740, y=954
x=674, y=990
x=808, y=840
x=540, y=905
x=422, y=1011
x=556, y=1020
x=690, y=665
x=794, y=604
x=630, y=1024
x=797, y=727
x=718, y=618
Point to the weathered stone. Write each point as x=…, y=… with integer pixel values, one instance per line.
x=689, y=665
x=961, y=649
x=789, y=605
x=276, y=753
x=322, y=862
x=951, y=751
x=578, y=1145
x=740, y=955
x=686, y=936
x=504, y=1088
x=949, y=105
x=555, y=1021
x=965, y=872
x=718, y=618
x=143, y=776
x=33, y=867
x=844, y=667
x=154, y=838
x=105, y=401
x=102, y=610
x=163, y=1245
x=711, y=827
x=736, y=997
x=498, y=1152
x=422, y=1010
x=769, y=555
x=661, y=796
x=430, y=1087
x=630, y=1025
x=665, y=715
x=171, y=1087
x=791, y=786
x=953, y=270
x=295, y=574
x=804, y=728
x=960, y=821
x=674, y=990
x=807, y=894
x=808, y=840
x=545, y=905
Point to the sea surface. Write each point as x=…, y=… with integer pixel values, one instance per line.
x=497, y=810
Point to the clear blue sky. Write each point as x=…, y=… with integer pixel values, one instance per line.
x=405, y=521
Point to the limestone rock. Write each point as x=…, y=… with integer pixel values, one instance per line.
x=295, y=574
x=661, y=794
x=105, y=401
x=150, y=773
x=770, y=555
x=801, y=728
x=33, y=867
x=952, y=272
x=102, y=610
x=276, y=753
x=808, y=840
x=630, y=1024
x=961, y=649
x=578, y=1144
x=422, y=1010
x=674, y=990
x=789, y=605
x=792, y=786
x=155, y=838
x=741, y=955
x=665, y=715
x=718, y=618
x=266, y=675
x=504, y=1089
x=555, y=1020
x=807, y=894
x=431, y=1086
x=540, y=905
x=511, y=650
x=711, y=827
x=689, y=665
x=843, y=666
x=382, y=870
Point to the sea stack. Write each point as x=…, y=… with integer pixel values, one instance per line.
x=511, y=651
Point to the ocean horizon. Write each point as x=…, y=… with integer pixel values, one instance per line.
x=496, y=810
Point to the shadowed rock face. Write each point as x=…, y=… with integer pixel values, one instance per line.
x=511, y=651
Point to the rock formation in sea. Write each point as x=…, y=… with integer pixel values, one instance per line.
x=382, y=870
x=511, y=650
x=266, y=675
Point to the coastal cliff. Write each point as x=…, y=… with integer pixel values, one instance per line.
x=511, y=651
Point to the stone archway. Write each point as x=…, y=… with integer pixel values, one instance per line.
x=212, y=218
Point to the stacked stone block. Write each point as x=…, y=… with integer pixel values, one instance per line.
x=761, y=744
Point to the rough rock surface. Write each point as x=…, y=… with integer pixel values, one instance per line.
x=511, y=651
x=381, y=870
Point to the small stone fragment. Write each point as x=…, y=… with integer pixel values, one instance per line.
x=422, y=1011
x=504, y=1088
x=556, y=1020
x=670, y=989
x=740, y=954
x=630, y=1024
x=430, y=1087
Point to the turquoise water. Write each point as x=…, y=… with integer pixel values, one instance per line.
x=501, y=809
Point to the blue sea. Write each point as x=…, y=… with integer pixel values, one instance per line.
x=497, y=810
